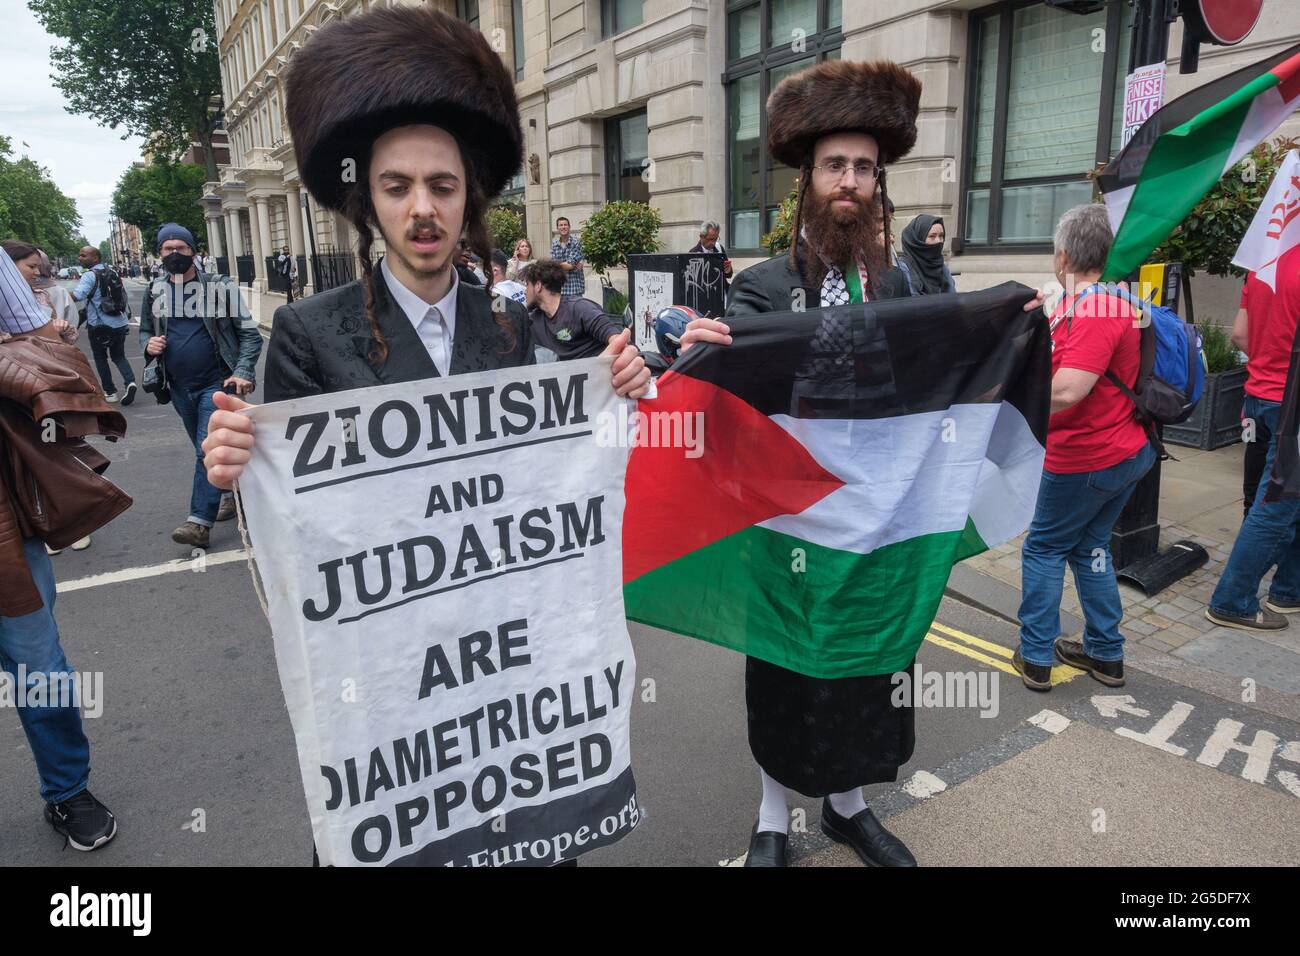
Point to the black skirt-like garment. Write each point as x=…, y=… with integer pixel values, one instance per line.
x=820, y=736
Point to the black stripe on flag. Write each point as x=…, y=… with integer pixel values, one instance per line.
x=1126, y=168
x=888, y=358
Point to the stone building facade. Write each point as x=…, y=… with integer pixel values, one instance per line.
x=662, y=101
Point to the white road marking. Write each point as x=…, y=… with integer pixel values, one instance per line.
x=1112, y=705
x=1158, y=736
x=923, y=784
x=1050, y=721
x=1259, y=753
x=151, y=571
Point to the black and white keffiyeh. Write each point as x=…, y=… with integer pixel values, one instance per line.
x=835, y=291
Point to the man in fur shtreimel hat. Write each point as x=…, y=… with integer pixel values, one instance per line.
x=840, y=124
x=404, y=120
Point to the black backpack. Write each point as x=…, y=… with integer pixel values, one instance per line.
x=112, y=294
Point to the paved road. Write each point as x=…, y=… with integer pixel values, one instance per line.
x=195, y=754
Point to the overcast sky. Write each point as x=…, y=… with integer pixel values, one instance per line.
x=83, y=158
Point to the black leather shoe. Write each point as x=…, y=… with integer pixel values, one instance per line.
x=1036, y=676
x=873, y=844
x=1110, y=673
x=766, y=848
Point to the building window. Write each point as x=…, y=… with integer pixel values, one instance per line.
x=512, y=197
x=767, y=40
x=619, y=15
x=517, y=28
x=467, y=10
x=1044, y=102
x=627, y=151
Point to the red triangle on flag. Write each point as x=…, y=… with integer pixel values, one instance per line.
x=746, y=469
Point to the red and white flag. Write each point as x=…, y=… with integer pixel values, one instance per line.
x=1276, y=226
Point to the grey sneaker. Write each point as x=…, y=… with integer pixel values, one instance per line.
x=1282, y=607
x=1262, y=620
x=195, y=535
x=111, y=397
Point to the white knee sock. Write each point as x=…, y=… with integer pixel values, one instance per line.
x=773, y=812
x=848, y=803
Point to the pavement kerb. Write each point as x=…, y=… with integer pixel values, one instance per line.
x=985, y=593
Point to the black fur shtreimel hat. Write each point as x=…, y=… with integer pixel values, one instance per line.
x=361, y=76
x=879, y=98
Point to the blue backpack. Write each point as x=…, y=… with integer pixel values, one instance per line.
x=1171, y=374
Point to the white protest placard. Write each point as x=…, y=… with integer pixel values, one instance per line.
x=1276, y=226
x=442, y=562
x=653, y=292
x=1144, y=93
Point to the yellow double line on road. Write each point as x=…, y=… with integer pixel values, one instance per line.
x=987, y=652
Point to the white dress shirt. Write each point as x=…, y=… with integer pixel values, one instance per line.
x=19, y=310
x=435, y=324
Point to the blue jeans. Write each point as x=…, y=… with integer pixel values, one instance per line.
x=1073, y=521
x=58, y=743
x=1267, y=537
x=195, y=409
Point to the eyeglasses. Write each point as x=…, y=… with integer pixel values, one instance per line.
x=861, y=171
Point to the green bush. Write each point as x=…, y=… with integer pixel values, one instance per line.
x=506, y=227
x=616, y=304
x=778, y=240
x=618, y=230
x=1208, y=237
x=1220, y=354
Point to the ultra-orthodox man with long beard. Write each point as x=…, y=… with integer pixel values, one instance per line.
x=839, y=123
x=403, y=119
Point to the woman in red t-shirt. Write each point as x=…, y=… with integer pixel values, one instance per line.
x=1096, y=453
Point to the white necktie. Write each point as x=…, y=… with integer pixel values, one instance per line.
x=432, y=331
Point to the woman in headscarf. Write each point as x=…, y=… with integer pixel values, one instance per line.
x=923, y=255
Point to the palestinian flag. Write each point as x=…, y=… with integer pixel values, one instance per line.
x=1178, y=154
x=850, y=457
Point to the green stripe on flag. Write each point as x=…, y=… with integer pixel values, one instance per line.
x=816, y=610
x=1184, y=164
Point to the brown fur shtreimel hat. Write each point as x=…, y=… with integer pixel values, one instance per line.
x=879, y=98
x=361, y=76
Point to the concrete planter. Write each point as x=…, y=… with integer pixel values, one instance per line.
x=1217, y=419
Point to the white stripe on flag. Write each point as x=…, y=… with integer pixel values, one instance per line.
x=1266, y=113
x=1117, y=205
x=918, y=474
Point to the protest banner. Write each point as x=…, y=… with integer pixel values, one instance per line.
x=442, y=566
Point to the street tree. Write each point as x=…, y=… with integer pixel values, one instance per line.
x=161, y=192
x=33, y=208
x=148, y=66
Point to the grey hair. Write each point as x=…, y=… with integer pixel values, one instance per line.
x=706, y=226
x=1083, y=235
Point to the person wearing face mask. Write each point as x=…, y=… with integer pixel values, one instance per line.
x=922, y=256
x=197, y=328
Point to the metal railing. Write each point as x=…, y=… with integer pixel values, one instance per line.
x=332, y=269
x=275, y=281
